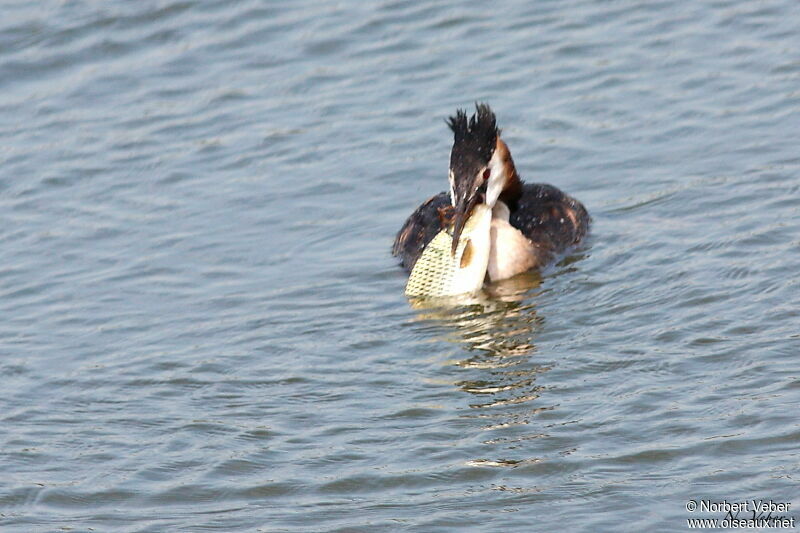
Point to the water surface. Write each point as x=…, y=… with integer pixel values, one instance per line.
x=203, y=328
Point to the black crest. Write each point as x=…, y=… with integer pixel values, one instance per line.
x=474, y=139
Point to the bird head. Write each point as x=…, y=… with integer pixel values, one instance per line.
x=476, y=175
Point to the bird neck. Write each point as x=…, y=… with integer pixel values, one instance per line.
x=512, y=186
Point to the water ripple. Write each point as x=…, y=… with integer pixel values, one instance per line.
x=204, y=329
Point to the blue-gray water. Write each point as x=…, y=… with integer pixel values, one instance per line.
x=203, y=329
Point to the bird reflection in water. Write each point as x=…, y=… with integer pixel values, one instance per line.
x=496, y=330
x=496, y=327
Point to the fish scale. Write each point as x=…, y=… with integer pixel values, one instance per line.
x=439, y=272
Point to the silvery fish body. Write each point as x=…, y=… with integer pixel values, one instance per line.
x=438, y=272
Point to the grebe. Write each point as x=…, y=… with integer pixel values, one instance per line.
x=531, y=222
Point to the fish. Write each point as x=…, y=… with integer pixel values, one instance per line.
x=439, y=272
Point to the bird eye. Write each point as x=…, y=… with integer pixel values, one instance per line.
x=486, y=174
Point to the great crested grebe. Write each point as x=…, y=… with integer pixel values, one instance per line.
x=531, y=222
